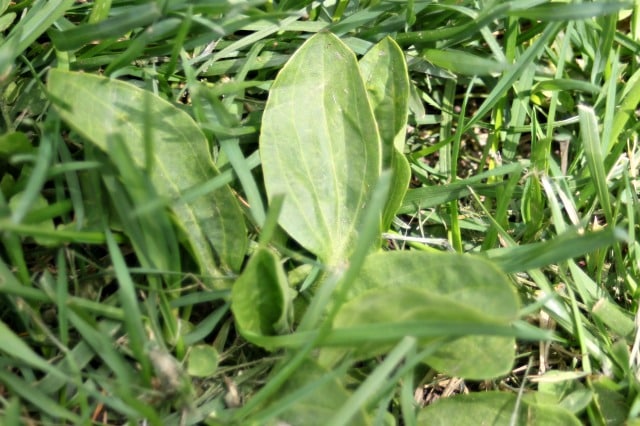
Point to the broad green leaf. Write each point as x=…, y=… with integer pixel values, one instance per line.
x=468, y=280
x=473, y=357
x=565, y=389
x=610, y=403
x=317, y=393
x=14, y=143
x=260, y=298
x=202, y=361
x=104, y=110
x=417, y=286
x=614, y=317
x=386, y=78
x=493, y=408
x=320, y=147
x=577, y=400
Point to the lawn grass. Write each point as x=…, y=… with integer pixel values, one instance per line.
x=167, y=255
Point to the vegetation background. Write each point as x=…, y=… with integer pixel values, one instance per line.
x=478, y=257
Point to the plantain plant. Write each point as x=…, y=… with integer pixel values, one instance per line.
x=331, y=145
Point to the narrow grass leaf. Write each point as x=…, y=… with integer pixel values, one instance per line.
x=416, y=196
x=38, y=177
x=456, y=32
x=33, y=24
x=512, y=74
x=134, y=17
x=60, y=236
x=16, y=348
x=389, y=333
x=593, y=150
x=129, y=302
x=431, y=196
x=464, y=63
x=569, y=245
x=566, y=85
x=626, y=110
x=103, y=345
x=571, y=11
x=99, y=11
x=206, y=326
x=242, y=169
x=311, y=396
x=370, y=386
x=32, y=394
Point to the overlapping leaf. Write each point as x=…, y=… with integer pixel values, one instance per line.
x=386, y=78
x=104, y=111
x=448, y=289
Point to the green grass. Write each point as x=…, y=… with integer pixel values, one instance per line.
x=171, y=251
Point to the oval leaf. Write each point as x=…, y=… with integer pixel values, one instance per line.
x=320, y=147
x=260, y=298
x=493, y=408
x=386, y=78
x=103, y=110
x=452, y=288
x=203, y=361
x=468, y=280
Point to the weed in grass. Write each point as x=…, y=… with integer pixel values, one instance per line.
x=317, y=212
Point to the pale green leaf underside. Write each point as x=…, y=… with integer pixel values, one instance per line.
x=104, y=110
x=320, y=147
